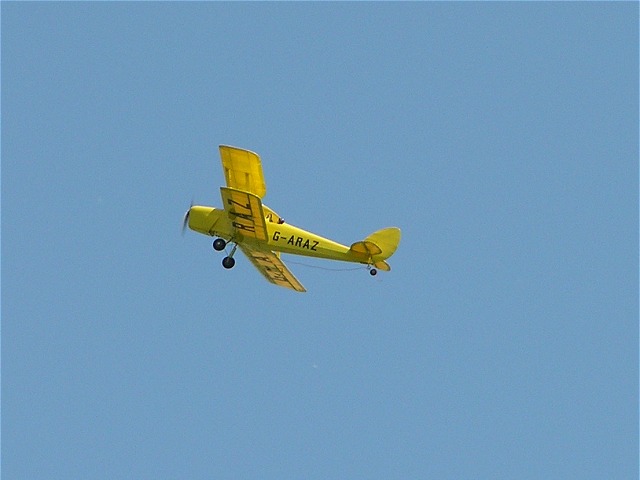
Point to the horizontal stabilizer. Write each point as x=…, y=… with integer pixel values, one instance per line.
x=382, y=265
x=377, y=247
x=366, y=248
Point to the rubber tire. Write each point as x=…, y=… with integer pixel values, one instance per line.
x=228, y=262
x=219, y=244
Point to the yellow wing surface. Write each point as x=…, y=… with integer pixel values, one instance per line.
x=270, y=265
x=245, y=213
x=243, y=170
x=247, y=217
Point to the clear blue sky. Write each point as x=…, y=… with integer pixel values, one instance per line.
x=502, y=138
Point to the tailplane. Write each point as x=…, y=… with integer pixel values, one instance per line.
x=377, y=247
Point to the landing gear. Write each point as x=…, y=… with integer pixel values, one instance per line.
x=219, y=244
x=229, y=262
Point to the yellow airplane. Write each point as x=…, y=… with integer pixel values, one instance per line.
x=262, y=234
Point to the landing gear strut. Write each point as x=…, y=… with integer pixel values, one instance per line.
x=229, y=262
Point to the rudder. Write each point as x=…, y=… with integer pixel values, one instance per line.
x=387, y=241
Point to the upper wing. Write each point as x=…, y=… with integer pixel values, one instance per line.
x=243, y=170
x=245, y=212
x=270, y=265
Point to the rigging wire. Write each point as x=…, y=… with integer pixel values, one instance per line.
x=326, y=268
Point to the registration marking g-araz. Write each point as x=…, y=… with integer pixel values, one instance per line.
x=296, y=241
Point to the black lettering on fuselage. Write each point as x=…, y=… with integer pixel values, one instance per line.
x=299, y=242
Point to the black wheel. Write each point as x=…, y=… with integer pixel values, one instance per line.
x=219, y=244
x=228, y=262
x=373, y=271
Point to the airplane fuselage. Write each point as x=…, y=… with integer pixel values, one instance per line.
x=282, y=237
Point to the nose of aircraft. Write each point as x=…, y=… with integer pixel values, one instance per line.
x=200, y=219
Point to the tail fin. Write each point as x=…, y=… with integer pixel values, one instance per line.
x=378, y=246
x=387, y=240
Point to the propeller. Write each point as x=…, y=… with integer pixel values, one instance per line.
x=185, y=220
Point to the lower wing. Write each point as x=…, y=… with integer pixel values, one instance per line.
x=272, y=268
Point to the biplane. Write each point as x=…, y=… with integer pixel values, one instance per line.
x=262, y=235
